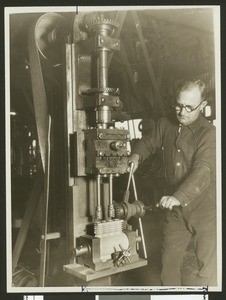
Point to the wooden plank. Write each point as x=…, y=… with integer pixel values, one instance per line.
x=148, y=61
x=88, y=274
x=32, y=203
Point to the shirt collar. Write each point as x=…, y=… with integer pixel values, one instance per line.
x=195, y=125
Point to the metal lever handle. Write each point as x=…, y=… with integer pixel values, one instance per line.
x=126, y=198
x=127, y=193
x=130, y=175
x=140, y=222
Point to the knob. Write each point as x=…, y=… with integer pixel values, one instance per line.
x=116, y=145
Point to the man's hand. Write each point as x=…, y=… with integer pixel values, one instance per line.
x=168, y=202
x=134, y=158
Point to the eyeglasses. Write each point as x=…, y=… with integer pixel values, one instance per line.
x=178, y=107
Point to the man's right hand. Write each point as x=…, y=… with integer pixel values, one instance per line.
x=134, y=158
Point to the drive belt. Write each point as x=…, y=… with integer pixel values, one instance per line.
x=39, y=94
x=43, y=123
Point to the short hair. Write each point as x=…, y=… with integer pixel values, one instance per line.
x=189, y=85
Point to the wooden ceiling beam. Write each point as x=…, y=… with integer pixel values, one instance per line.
x=148, y=61
x=120, y=18
x=124, y=59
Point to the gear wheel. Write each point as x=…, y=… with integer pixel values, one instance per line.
x=118, y=210
x=91, y=23
x=108, y=90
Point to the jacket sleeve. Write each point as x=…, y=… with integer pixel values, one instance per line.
x=151, y=142
x=202, y=171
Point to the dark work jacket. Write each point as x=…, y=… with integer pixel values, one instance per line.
x=189, y=154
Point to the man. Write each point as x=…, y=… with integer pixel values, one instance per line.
x=189, y=154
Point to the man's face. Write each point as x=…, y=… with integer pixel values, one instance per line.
x=192, y=98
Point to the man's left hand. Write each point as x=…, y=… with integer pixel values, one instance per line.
x=168, y=202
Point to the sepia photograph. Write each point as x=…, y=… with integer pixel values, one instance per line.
x=113, y=149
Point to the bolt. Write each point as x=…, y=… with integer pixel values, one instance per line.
x=101, y=40
x=102, y=99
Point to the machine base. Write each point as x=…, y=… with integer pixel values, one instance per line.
x=88, y=274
